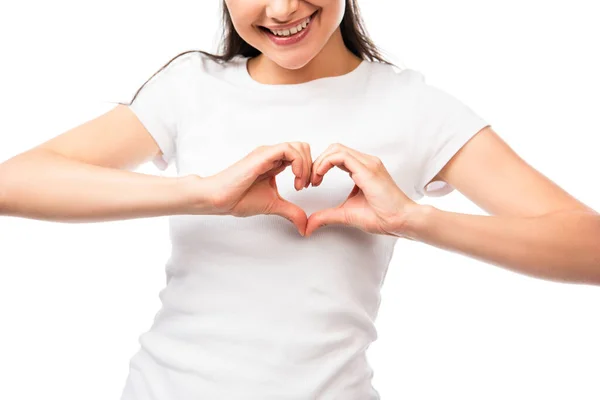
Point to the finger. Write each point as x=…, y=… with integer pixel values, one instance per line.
x=297, y=179
x=287, y=152
x=334, y=148
x=266, y=158
x=317, y=162
x=279, y=166
x=343, y=160
x=362, y=157
x=291, y=212
x=309, y=164
x=330, y=216
x=299, y=183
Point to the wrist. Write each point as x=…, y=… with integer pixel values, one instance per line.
x=415, y=219
x=197, y=196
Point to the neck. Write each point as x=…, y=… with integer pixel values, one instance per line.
x=333, y=60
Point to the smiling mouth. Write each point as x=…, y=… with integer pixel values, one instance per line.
x=291, y=31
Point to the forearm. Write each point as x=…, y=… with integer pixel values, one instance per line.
x=561, y=246
x=47, y=186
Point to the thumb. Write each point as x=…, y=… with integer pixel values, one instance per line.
x=328, y=216
x=291, y=212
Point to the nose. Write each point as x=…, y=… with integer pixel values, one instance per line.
x=281, y=10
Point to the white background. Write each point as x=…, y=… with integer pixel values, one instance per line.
x=75, y=297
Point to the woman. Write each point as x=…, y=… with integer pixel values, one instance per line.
x=263, y=307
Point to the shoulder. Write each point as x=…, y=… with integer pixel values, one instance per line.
x=394, y=75
x=399, y=88
x=394, y=84
x=197, y=63
x=407, y=78
x=426, y=96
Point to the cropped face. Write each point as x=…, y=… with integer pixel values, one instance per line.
x=289, y=32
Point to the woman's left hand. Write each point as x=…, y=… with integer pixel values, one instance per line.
x=375, y=204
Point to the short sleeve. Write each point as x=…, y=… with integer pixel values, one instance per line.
x=447, y=125
x=158, y=107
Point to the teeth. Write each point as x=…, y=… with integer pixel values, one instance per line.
x=293, y=30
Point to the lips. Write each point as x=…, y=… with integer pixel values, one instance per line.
x=287, y=26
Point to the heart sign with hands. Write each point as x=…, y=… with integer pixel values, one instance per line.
x=248, y=187
x=375, y=205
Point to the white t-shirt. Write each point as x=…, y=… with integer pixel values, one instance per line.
x=251, y=309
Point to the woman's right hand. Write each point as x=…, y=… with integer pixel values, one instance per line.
x=248, y=187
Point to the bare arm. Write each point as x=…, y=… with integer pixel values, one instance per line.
x=537, y=228
x=562, y=246
x=47, y=186
x=83, y=176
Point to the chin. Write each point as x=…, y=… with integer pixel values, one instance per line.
x=295, y=60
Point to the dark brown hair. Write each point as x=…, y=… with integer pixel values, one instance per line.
x=352, y=27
